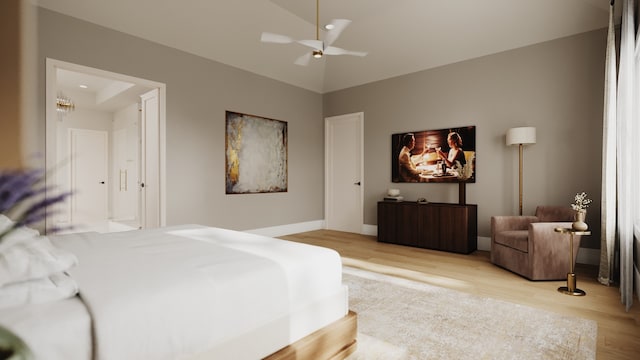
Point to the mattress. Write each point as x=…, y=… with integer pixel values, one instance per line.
x=183, y=291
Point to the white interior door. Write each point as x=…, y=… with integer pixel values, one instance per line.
x=89, y=151
x=344, y=172
x=150, y=171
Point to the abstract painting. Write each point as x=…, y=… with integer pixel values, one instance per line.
x=256, y=154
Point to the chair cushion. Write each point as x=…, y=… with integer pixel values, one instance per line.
x=515, y=239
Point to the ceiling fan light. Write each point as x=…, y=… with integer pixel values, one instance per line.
x=317, y=54
x=329, y=26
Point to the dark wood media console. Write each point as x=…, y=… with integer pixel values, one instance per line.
x=437, y=226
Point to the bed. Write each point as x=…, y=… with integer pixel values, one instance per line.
x=191, y=292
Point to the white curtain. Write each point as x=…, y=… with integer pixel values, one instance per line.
x=608, y=200
x=627, y=131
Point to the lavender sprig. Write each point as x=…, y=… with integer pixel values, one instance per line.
x=23, y=195
x=16, y=186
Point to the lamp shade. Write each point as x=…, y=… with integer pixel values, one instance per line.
x=521, y=135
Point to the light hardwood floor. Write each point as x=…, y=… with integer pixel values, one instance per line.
x=618, y=330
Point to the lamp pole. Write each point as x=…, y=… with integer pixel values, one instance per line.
x=520, y=178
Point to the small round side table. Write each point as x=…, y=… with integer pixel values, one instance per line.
x=571, y=288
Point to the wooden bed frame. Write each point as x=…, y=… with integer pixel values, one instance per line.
x=335, y=341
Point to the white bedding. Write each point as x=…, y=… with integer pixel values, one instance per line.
x=177, y=292
x=32, y=270
x=56, y=330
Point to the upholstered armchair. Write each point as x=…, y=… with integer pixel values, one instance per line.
x=529, y=246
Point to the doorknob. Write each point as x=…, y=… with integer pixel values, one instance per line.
x=357, y=183
x=101, y=182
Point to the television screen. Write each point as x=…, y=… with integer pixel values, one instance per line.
x=445, y=155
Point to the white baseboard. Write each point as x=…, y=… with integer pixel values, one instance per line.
x=282, y=230
x=585, y=256
x=370, y=230
x=484, y=243
x=636, y=277
x=588, y=256
x=636, y=244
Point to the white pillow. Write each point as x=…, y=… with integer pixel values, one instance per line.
x=5, y=223
x=55, y=287
x=28, y=256
x=16, y=235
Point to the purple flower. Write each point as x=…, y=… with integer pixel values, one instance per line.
x=16, y=186
x=24, y=198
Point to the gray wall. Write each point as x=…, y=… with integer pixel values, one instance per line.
x=198, y=93
x=555, y=86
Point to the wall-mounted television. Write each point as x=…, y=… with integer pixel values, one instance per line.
x=434, y=155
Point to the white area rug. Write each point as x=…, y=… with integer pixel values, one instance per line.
x=404, y=319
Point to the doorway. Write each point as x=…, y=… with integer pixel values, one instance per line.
x=344, y=172
x=107, y=113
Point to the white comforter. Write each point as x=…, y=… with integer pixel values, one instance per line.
x=175, y=292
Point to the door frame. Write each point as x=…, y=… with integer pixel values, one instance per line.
x=52, y=65
x=328, y=166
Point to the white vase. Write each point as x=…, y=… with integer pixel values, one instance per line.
x=579, y=223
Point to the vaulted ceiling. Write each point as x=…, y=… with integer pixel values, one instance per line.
x=400, y=36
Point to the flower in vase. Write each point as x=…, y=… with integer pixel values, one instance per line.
x=581, y=202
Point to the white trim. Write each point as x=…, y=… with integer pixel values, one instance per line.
x=637, y=280
x=282, y=230
x=163, y=152
x=369, y=230
x=585, y=256
x=588, y=256
x=636, y=240
x=51, y=116
x=484, y=243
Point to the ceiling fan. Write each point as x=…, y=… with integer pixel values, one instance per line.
x=319, y=47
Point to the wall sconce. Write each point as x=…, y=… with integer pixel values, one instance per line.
x=521, y=136
x=64, y=104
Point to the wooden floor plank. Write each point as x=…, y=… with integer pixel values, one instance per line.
x=618, y=330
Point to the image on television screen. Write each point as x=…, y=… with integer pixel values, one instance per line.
x=444, y=155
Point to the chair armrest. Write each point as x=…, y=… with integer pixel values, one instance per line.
x=504, y=223
x=548, y=227
x=546, y=239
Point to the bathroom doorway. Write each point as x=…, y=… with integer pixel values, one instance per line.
x=106, y=145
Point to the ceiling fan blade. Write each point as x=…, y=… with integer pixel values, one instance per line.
x=332, y=50
x=275, y=38
x=303, y=60
x=314, y=44
x=338, y=26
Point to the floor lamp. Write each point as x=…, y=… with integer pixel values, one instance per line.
x=521, y=136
